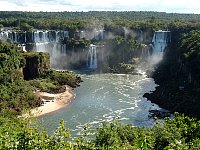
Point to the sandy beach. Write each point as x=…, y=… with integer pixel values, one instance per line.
x=52, y=102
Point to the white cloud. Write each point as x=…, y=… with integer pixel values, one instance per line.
x=179, y=6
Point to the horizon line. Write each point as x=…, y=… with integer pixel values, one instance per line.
x=100, y=11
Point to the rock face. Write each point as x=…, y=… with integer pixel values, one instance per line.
x=178, y=89
x=36, y=63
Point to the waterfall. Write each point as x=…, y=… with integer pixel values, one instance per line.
x=159, y=44
x=39, y=41
x=98, y=34
x=4, y=35
x=45, y=36
x=92, y=57
x=101, y=34
x=25, y=38
x=47, y=41
x=160, y=41
x=82, y=34
x=36, y=36
x=141, y=36
x=57, y=36
x=66, y=33
x=14, y=36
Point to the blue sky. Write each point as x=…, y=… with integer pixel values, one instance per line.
x=171, y=6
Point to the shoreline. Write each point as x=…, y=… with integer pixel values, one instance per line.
x=52, y=102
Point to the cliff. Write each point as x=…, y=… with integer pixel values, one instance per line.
x=36, y=64
x=178, y=76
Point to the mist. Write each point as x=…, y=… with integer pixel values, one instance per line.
x=108, y=50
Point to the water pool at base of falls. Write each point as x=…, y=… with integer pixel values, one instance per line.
x=102, y=97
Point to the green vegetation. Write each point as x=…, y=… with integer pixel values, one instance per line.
x=125, y=53
x=62, y=77
x=110, y=20
x=123, y=68
x=45, y=85
x=179, y=133
x=101, y=15
x=36, y=64
x=178, y=76
x=76, y=43
x=17, y=94
x=180, y=68
x=190, y=52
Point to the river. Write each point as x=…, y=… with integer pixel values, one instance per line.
x=102, y=97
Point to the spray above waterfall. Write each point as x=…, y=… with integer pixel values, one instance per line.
x=63, y=55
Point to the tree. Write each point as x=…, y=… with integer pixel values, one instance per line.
x=25, y=27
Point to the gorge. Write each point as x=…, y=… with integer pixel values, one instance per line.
x=101, y=97
x=124, y=58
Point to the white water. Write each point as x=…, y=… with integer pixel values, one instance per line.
x=92, y=57
x=4, y=35
x=160, y=42
x=45, y=41
x=102, y=97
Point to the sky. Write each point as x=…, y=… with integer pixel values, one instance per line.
x=170, y=6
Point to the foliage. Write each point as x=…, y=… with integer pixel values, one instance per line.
x=61, y=77
x=53, y=81
x=115, y=136
x=44, y=85
x=36, y=64
x=15, y=94
x=110, y=20
x=76, y=43
x=190, y=51
x=123, y=68
x=179, y=133
x=180, y=69
x=25, y=27
x=122, y=51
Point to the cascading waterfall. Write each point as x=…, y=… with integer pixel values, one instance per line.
x=159, y=44
x=15, y=37
x=4, y=35
x=36, y=37
x=50, y=41
x=92, y=57
x=66, y=33
x=40, y=41
x=154, y=52
x=160, y=41
x=40, y=44
x=145, y=51
x=33, y=37
x=98, y=34
x=25, y=37
x=141, y=36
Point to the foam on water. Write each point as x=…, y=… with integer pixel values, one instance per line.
x=103, y=97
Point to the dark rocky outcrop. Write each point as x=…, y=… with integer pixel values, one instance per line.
x=36, y=63
x=178, y=89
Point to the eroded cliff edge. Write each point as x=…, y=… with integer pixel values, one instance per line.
x=178, y=75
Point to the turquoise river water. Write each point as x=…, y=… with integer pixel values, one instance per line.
x=102, y=97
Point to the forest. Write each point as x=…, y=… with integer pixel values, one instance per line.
x=75, y=21
x=180, y=67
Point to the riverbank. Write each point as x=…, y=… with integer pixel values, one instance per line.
x=52, y=102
